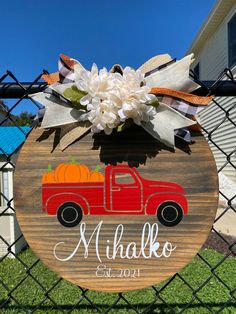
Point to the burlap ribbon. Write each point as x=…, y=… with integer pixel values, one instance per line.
x=156, y=69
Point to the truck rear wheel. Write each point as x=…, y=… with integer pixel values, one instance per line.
x=169, y=214
x=69, y=214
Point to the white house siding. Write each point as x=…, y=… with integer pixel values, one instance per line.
x=213, y=59
x=9, y=228
x=213, y=56
x=224, y=136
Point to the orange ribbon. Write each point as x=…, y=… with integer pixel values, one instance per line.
x=54, y=77
x=51, y=78
x=193, y=99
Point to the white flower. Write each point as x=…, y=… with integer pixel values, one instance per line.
x=102, y=115
x=96, y=84
x=112, y=98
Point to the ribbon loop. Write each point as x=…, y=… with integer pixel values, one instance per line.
x=156, y=97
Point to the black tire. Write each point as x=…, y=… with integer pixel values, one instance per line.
x=69, y=214
x=169, y=214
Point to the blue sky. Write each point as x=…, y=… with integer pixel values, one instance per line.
x=34, y=33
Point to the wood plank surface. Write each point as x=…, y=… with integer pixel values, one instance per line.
x=193, y=167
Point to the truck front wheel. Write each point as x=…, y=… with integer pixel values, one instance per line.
x=169, y=214
x=69, y=214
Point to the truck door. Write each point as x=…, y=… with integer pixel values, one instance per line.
x=126, y=191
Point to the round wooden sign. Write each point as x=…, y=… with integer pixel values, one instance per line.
x=118, y=212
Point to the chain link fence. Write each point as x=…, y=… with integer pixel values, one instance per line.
x=206, y=285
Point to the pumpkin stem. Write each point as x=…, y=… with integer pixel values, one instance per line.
x=72, y=160
x=49, y=167
x=97, y=168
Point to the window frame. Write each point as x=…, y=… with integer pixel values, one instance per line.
x=231, y=42
x=6, y=190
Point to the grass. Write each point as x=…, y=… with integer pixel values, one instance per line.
x=64, y=296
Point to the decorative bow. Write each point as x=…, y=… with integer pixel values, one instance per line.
x=156, y=96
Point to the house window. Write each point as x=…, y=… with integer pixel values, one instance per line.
x=197, y=70
x=232, y=41
x=1, y=190
x=4, y=188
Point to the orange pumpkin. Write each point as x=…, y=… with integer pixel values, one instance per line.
x=48, y=177
x=96, y=176
x=76, y=173
x=60, y=172
x=84, y=173
x=72, y=172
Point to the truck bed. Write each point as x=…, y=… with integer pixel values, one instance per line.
x=92, y=191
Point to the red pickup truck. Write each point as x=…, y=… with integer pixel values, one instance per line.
x=123, y=192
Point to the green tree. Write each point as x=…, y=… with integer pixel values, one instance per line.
x=24, y=118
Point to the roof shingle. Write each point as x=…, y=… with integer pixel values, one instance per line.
x=11, y=137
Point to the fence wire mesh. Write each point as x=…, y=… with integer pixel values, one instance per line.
x=207, y=285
